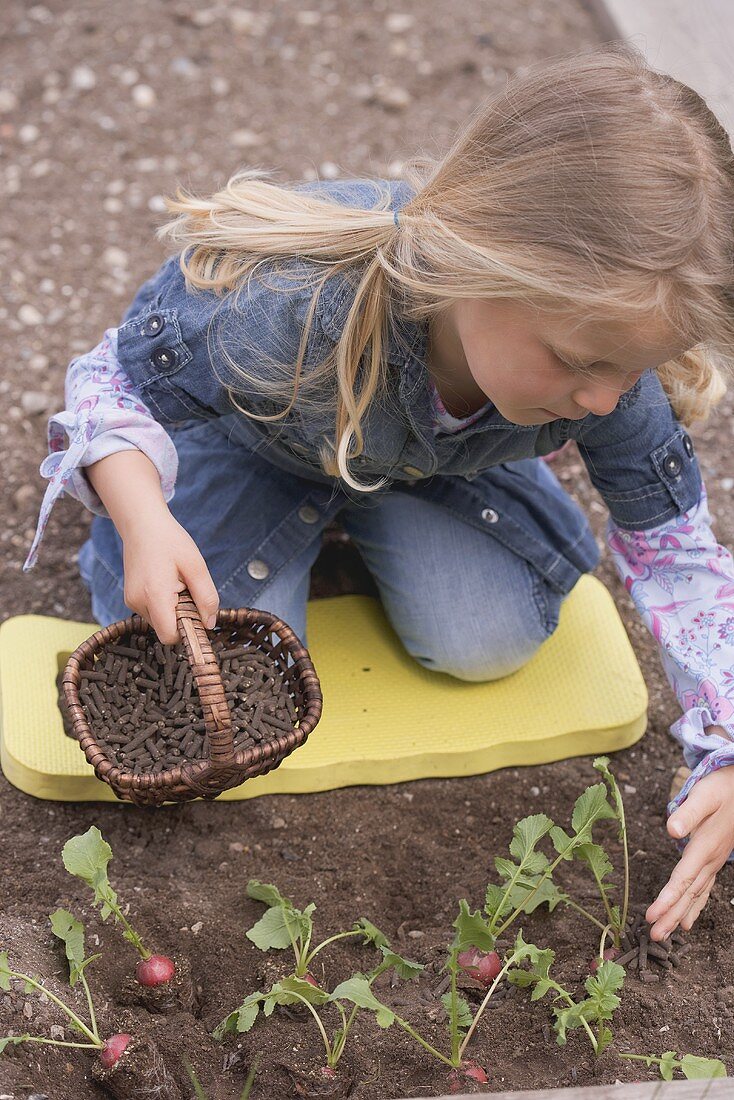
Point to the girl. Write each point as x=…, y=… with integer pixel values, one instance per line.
x=402, y=354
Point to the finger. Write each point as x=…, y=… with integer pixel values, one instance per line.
x=672, y=917
x=162, y=613
x=204, y=594
x=699, y=805
x=693, y=913
x=702, y=859
x=698, y=860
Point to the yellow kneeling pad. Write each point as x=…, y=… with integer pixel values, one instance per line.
x=386, y=718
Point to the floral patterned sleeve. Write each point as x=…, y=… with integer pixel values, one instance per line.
x=102, y=415
x=682, y=583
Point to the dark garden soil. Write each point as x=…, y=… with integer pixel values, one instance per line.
x=104, y=108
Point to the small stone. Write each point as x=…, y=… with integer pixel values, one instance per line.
x=143, y=95
x=28, y=1010
x=398, y=22
x=197, y=927
x=29, y=315
x=114, y=257
x=245, y=139
x=329, y=170
x=416, y=934
x=629, y=789
x=83, y=79
x=34, y=402
x=535, y=791
x=727, y=483
x=24, y=496
x=308, y=18
x=185, y=67
x=57, y=1031
x=244, y=21
x=393, y=97
x=278, y=823
x=235, y=846
x=289, y=856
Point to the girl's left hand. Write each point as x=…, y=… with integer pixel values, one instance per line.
x=707, y=817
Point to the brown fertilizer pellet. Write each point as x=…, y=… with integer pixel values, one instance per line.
x=143, y=708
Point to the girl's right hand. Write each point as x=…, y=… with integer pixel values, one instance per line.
x=160, y=558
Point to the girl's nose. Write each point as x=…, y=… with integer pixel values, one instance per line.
x=599, y=400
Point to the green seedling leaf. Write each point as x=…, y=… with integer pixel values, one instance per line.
x=5, y=972
x=598, y=860
x=87, y=856
x=497, y=903
x=695, y=1068
x=532, y=891
x=284, y=993
x=404, y=967
x=668, y=1062
x=12, y=1040
x=357, y=990
x=71, y=933
x=567, y=1019
x=604, y=1038
x=563, y=842
x=242, y=1018
x=371, y=933
x=464, y=1015
x=265, y=891
x=590, y=807
x=280, y=926
x=602, y=989
x=471, y=930
x=525, y=835
x=538, y=973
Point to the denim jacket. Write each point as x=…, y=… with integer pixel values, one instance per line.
x=639, y=457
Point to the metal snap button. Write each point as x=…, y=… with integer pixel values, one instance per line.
x=489, y=515
x=153, y=325
x=164, y=358
x=688, y=444
x=258, y=569
x=672, y=465
x=413, y=471
x=308, y=514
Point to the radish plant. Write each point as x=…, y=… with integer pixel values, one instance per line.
x=528, y=875
x=461, y=1022
x=71, y=932
x=87, y=856
x=282, y=926
x=598, y=1008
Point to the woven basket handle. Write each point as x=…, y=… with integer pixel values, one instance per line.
x=208, y=678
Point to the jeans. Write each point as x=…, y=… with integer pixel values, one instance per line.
x=459, y=601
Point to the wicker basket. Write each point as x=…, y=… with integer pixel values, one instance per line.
x=225, y=767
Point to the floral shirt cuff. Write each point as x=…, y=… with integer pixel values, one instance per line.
x=103, y=414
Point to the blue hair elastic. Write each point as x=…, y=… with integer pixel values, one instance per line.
x=395, y=217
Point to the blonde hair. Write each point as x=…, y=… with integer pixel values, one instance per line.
x=589, y=182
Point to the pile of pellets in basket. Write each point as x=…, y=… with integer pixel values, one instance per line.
x=144, y=711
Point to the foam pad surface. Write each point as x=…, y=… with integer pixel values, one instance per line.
x=386, y=719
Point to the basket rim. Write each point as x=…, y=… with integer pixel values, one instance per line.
x=270, y=752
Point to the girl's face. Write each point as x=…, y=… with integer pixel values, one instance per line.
x=538, y=366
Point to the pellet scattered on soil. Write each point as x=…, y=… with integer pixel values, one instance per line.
x=649, y=957
x=141, y=702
